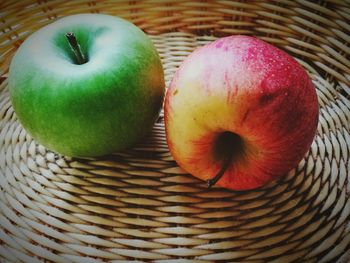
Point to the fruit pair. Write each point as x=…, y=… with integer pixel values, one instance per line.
x=238, y=111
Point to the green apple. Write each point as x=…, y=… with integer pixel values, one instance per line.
x=87, y=85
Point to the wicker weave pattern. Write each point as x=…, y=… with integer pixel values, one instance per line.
x=137, y=204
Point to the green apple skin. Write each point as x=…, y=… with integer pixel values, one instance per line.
x=104, y=105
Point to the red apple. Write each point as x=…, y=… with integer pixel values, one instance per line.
x=240, y=112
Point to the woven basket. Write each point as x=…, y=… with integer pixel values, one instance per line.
x=138, y=205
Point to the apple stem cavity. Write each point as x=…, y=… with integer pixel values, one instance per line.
x=229, y=147
x=72, y=40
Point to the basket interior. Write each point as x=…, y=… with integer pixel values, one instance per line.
x=138, y=204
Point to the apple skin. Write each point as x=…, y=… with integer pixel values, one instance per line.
x=104, y=105
x=241, y=86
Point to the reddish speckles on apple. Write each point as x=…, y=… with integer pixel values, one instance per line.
x=218, y=44
x=240, y=86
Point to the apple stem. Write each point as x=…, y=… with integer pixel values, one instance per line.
x=72, y=40
x=223, y=169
